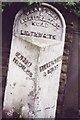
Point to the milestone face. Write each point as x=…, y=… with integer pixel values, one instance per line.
x=41, y=22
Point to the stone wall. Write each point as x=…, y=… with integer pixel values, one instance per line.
x=64, y=71
x=69, y=96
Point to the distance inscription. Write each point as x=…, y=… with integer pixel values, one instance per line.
x=25, y=63
x=50, y=70
x=50, y=66
x=41, y=17
x=39, y=22
x=38, y=34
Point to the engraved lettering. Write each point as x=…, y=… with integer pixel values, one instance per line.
x=51, y=63
x=37, y=34
x=23, y=59
x=20, y=58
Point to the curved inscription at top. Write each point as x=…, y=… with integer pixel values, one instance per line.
x=41, y=22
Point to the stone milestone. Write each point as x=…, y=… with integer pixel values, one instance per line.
x=35, y=62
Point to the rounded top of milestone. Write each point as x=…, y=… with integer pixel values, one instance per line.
x=41, y=21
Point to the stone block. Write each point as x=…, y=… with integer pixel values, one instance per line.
x=64, y=68
x=63, y=76
x=65, y=60
x=34, y=71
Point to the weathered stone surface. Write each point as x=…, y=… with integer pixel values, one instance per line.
x=60, y=99
x=67, y=45
x=64, y=68
x=62, y=87
x=63, y=76
x=69, y=37
x=59, y=111
x=66, y=52
x=65, y=59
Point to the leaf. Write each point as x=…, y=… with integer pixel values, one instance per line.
x=70, y=3
x=32, y=1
